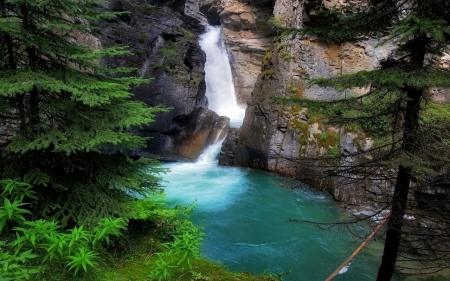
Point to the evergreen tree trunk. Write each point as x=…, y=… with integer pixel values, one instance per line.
x=33, y=106
x=400, y=198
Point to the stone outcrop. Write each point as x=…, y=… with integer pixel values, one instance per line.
x=228, y=151
x=197, y=130
x=281, y=131
x=162, y=35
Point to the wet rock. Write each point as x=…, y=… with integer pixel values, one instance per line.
x=227, y=153
x=192, y=133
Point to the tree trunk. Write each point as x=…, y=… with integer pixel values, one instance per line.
x=398, y=207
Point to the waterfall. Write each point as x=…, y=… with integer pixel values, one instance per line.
x=219, y=80
x=209, y=156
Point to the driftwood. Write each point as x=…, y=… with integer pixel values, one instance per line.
x=353, y=255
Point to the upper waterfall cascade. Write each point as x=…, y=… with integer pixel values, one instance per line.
x=219, y=80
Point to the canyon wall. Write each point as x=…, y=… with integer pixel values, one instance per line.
x=162, y=36
x=274, y=136
x=277, y=137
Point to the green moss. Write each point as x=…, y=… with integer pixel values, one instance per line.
x=327, y=139
x=296, y=91
x=158, y=66
x=275, y=23
x=277, y=38
x=172, y=58
x=146, y=9
x=187, y=34
x=296, y=108
x=332, y=138
x=269, y=73
x=316, y=117
x=293, y=89
x=143, y=37
x=321, y=139
x=192, y=81
x=267, y=58
x=352, y=127
x=281, y=46
x=334, y=152
x=195, y=81
x=286, y=55
x=302, y=129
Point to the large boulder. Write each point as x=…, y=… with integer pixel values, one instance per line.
x=193, y=132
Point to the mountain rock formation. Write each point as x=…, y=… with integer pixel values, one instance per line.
x=274, y=136
x=162, y=35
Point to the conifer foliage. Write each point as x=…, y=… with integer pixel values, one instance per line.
x=60, y=111
x=412, y=145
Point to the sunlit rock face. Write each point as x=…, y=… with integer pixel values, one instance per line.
x=192, y=133
x=247, y=35
x=273, y=133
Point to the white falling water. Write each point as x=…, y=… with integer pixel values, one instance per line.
x=208, y=157
x=219, y=81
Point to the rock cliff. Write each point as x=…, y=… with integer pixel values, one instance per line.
x=274, y=136
x=162, y=35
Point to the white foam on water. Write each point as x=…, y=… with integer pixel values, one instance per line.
x=207, y=185
x=209, y=155
x=345, y=268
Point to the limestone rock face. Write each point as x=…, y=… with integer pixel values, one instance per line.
x=274, y=136
x=281, y=131
x=246, y=34
x=163, y=40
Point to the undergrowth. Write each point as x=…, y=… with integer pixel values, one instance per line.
x=154, y=243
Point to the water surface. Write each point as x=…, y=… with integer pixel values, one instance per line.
x=245, y=217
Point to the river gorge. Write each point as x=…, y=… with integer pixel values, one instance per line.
x=244, y=213
x=251, y=131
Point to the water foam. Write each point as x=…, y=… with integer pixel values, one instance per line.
x=209, y=156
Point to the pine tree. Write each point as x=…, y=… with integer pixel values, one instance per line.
x=413, y=133
x=61, y=111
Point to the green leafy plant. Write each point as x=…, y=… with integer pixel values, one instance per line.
x=28, y=244
x=165, y=266
x=82, y=259
x=183, y=248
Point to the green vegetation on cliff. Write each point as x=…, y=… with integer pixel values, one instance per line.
x=413, y=154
